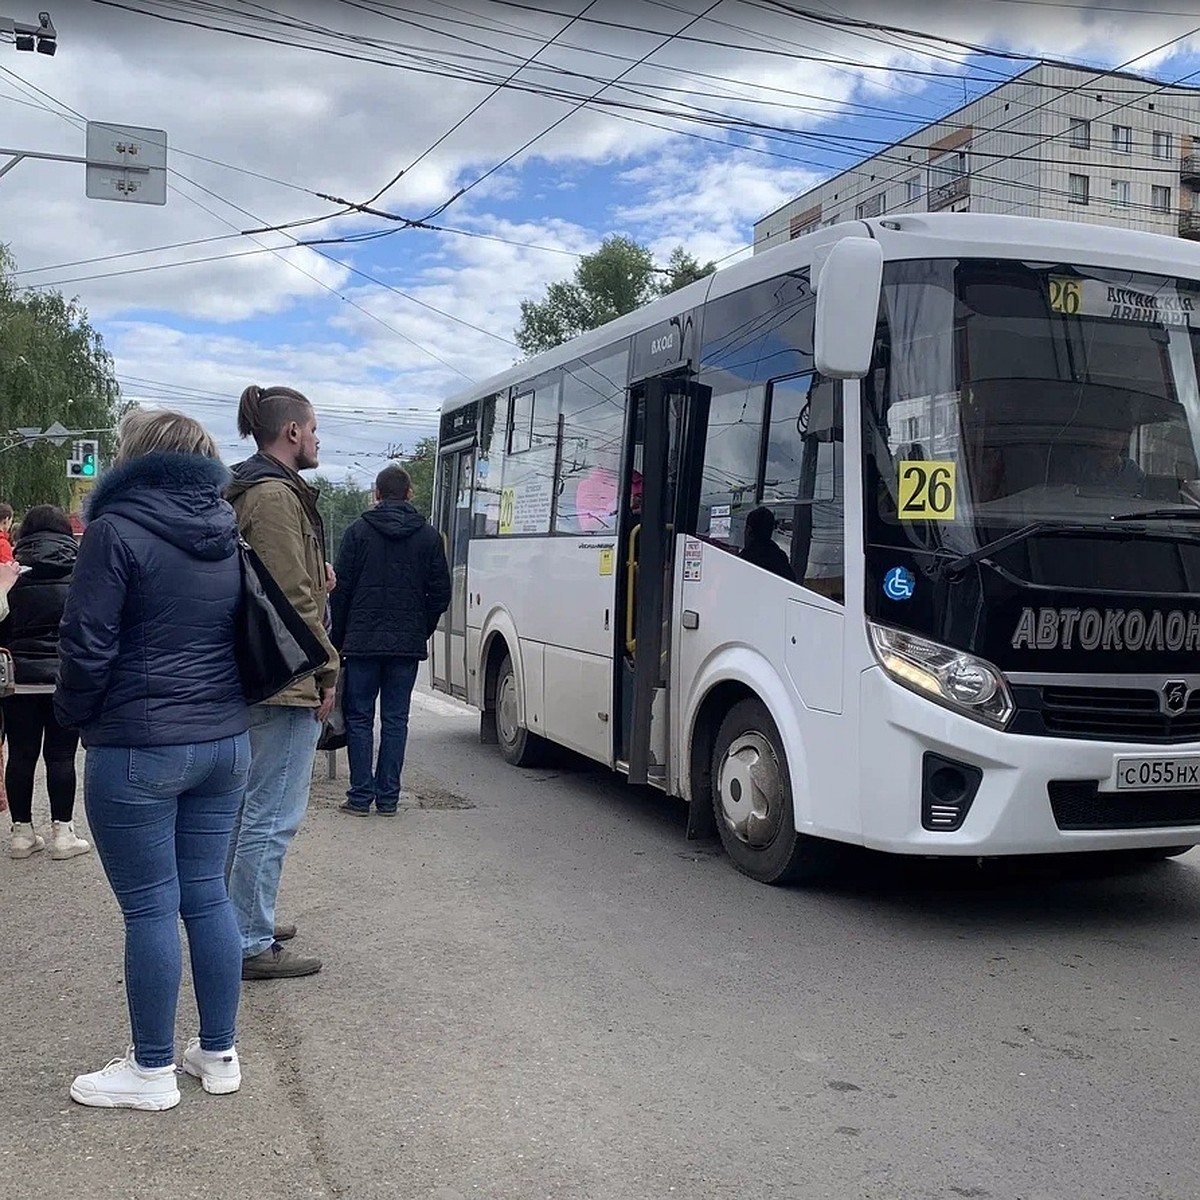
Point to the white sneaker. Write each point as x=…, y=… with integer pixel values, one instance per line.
x=123, y=1084
x=25, y=842
x=64, y=843
x=218, y=1070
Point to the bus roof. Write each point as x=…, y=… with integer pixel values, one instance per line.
x=909, y=236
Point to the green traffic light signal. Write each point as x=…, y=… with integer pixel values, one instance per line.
x=89, y=467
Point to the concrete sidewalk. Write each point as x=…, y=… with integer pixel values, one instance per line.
x=61, y=976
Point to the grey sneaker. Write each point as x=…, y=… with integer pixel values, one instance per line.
x=277, y=962
x=355, y=810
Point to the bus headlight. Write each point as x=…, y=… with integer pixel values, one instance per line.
x=960, y=681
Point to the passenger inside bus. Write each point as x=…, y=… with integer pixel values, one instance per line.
x=761, y=549
x=1107, y=464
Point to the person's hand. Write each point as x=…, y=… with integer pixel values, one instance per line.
x=330, y=578
x=328, y=695
x=10, y=572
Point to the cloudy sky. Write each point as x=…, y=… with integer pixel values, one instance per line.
x=713, y=115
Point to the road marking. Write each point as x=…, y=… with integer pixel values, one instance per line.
x=442, y=708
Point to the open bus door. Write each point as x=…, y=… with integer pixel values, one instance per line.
x=660, y=491
x=452, y=518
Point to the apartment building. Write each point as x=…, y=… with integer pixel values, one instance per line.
x=1059, y=142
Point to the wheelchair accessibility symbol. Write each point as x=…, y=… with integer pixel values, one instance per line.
x=899, y=584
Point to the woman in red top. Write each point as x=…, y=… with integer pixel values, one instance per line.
x=6, y=520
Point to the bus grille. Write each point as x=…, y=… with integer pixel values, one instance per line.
x=1078, y=804
x=1102, y=714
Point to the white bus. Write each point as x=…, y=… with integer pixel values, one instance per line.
x=978, y=438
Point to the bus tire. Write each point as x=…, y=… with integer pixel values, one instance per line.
x=752, y=799
x=518, y=746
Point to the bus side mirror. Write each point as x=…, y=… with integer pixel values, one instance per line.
x=847, y=307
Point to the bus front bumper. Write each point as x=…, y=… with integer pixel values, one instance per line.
x=1031, y=795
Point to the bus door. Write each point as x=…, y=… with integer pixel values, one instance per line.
x=448, y=657
x=661, y=413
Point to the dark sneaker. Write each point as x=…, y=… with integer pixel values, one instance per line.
x=385, y=812
x=278, y=963
x=285, y=933
x=354, y=810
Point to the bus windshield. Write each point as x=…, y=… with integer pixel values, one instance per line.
x=1006, y=393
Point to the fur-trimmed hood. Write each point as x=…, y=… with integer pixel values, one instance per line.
x=176, y=496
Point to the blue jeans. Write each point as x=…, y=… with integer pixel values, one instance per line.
x=391, y=681
x=161, y=817
x=283, y=744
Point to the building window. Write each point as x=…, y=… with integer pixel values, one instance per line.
x=1163, y=144
x=872, y=207
x=1122, y=141
x=832, y=219
x=1081, y=133
x=1160, y=198
x=1120, y=193
x=1079, y=189
x=947, y=168
x=799, y=230
x=912, y=189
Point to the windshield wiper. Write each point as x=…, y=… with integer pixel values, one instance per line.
x=1160, y=514
x=955, y=566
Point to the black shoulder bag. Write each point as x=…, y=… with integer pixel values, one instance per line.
x=274, y=645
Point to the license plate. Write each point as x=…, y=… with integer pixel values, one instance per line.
x=1158, y=774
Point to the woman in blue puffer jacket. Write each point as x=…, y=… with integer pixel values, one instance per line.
x=148, y=675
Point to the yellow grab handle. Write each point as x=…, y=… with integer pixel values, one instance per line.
x=631, y=591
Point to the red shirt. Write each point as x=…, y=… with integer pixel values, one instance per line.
x=6, y=554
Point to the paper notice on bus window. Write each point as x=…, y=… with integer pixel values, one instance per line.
x=720, y=523
x=1165, y=305
x=608, y=559
x=693, y=560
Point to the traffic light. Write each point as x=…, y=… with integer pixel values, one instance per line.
x=85, y=461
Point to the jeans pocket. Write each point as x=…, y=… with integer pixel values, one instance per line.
x=161, y=768
x=241, y=754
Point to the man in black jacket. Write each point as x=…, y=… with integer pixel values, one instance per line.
x=393, y=586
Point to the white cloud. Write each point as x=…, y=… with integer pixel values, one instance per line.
x=315, y=122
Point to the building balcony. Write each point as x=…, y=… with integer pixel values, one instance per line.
x=1189, y=225
x=949, y=193
x=1189, y=168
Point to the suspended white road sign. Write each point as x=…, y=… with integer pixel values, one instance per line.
x=126, y=162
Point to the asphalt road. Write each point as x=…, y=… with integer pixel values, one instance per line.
x=535, y=987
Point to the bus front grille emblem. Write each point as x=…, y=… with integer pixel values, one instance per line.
x=1174, y=697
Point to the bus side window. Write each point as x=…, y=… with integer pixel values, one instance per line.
x=489, y=465
x=803, y=479
x=593, y=431
x=729, y=480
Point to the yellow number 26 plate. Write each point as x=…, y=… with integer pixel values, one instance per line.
x=927, y=490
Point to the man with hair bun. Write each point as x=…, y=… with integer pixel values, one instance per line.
x=277, y=514
x=393, y=586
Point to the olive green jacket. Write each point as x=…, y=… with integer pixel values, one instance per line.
x=277, y=514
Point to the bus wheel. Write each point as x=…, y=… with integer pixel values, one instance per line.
x=752, y=797
x=517, y=744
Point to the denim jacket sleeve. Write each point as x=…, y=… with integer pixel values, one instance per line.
x=90, y=633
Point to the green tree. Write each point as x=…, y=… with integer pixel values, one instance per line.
x=420, y=465
x=53, y=367
x=340, y=505
x=616, y=279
